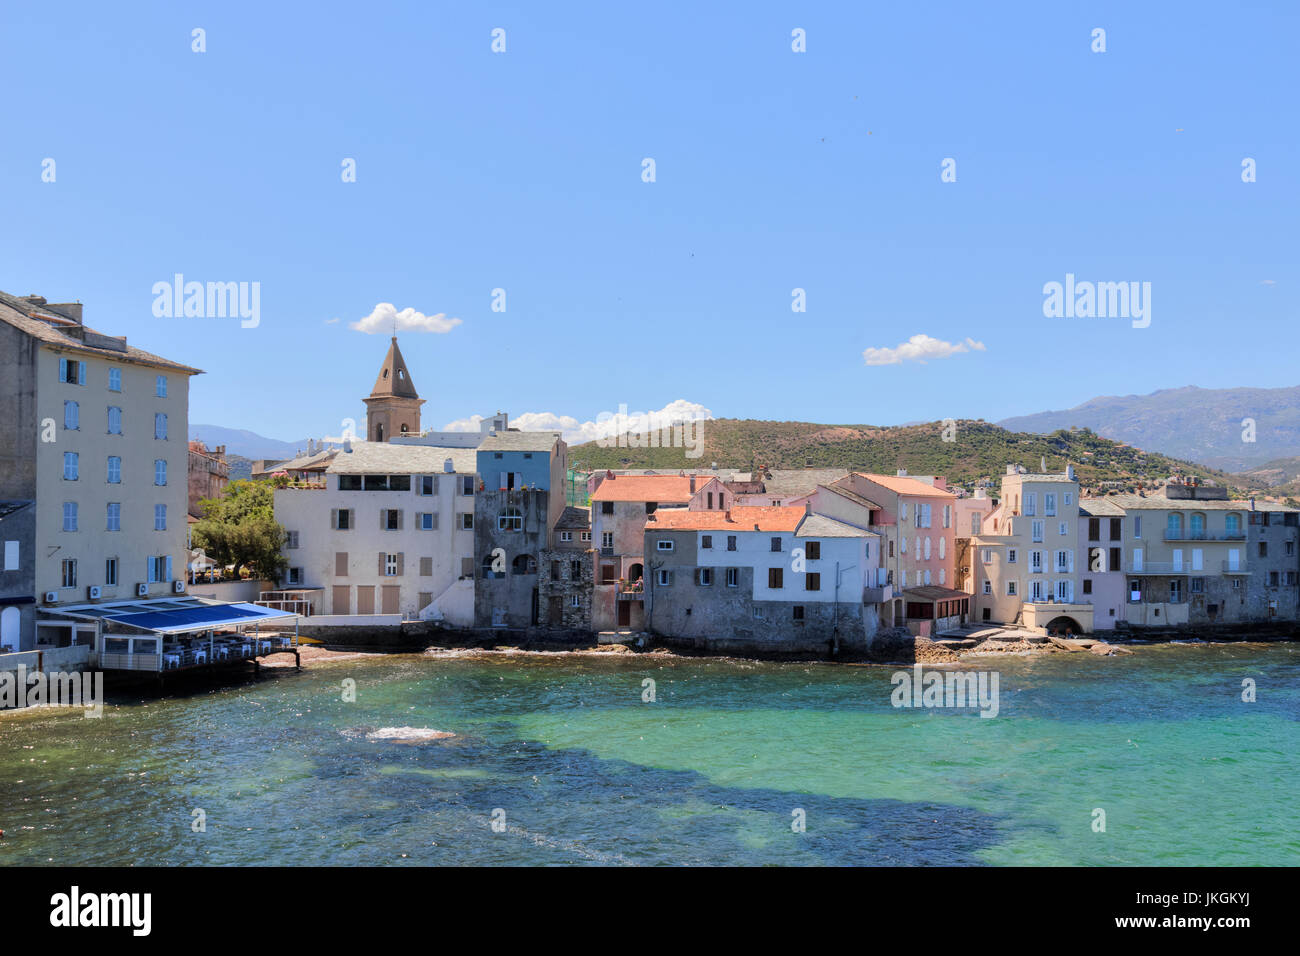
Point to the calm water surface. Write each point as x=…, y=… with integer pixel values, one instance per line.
x=587, y=773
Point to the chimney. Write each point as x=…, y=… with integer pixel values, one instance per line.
x=902, y=473
x=1252, y=504
x=1069, y=472
x=692, y=484
x=1042, y=465
x=1011, y=469
x=728, y=514
x=609, y=475
x=807, y=509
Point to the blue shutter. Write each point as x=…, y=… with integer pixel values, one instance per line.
x=81, y=373
x=63, y=370
x=169, y=568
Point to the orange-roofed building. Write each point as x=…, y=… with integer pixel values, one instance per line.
x=751, y=578
x=619, y=507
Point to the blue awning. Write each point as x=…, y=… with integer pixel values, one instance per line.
x=172, y=615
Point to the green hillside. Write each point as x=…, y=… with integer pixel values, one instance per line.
x=979, y=450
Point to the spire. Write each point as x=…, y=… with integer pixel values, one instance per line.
x=394, y=380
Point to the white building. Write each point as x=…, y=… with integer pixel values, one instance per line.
x=392, y=532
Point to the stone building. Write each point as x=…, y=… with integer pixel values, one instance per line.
x=393, y=406
x=566, y=572
x=760, y=578
x=208, y=472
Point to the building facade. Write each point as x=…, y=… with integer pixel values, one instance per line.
x=93, y=432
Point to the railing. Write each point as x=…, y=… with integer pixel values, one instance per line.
x=1168, y=567
x=1202, y=536
x=607, y=551
x=878, y=595
x=1234, y=567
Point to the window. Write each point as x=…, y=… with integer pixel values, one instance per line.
x=923, y=516
x=704, y=577
x=114, y=520
x=72, y=372
x=295, y=576
x=1232, y=524
x=426, y=485
x=160, y=471
x=1272, y=579
x=1036, y=562
x=1036, y=591
x=758, y=612
x=665, y=578
x=159, y=568
x=1063, y=562
x=1087, y=585
x=775, y=578
x=776, y=544
x=467, y=485
x=390, y=565
x=71, y=416
x=160, y=517
x=584, y=536
x=812, y=581
x=1115, y=560
x=114, y=420
x=575, y=601
x=344, y=521
x=1175, y=589
x=1198, y=586
x=11, y=556
x=114, y=470
x=947, y=516
x=1061, y=529
x=976, y=520
x=69, y=572
x=1049, y=504
x=1069, y=499
x=291, y=540
x=110, y=573
x=902, y=512
x=70, y=463
x=710, y=500
x=1011, y=555
x=1031, y=504
x=524, y=564
x=426, y=521
x=1137, y=526
x=1174, y=527
x=988, y=587
x=390, y=519
x=796, y=614
x=607, y=507
x=160, y=386
x=69, y=516
x=160, y=426
x=731, y=542
x=733, y=577
x=1263, y=549
x=1037, y=530
x=1011, y=589
x=812, y=550
x=115, y=380
x=663, y=544
x=706, y=541
x=986, y=555
x=575, y=570
x=467, y=520
x=566, y=536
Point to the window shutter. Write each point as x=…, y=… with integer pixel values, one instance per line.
x=383, y=519
x=382, y=558
x=334, y=518
x=401, y=563
x=503, y=480
x=435, y=484
x=169, y=557
x=352, y=518
x=400, y=516
x=340, y=564
x=81, y=373
x=435, y=520
x=63, y=370
x=148, y=569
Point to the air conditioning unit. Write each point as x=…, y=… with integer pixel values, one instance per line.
x=51, y=597
x=142, y=590
x=178, y=587
x=93, y=592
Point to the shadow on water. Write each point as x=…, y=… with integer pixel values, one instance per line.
x=570, y=806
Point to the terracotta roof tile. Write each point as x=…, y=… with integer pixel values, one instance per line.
x=743, y=518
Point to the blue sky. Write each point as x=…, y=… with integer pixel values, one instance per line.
x=775, y=170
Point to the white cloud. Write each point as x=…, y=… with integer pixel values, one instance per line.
x=332, y=321
x=919, y=348
x=1268, y=282
x=386, y=319
x=607, y=423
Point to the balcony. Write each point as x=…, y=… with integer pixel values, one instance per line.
x=1202, y=536
x=1234, y=567
x=1158, y=567
x=878, y=595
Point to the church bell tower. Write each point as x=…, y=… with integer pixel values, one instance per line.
x=393, y=407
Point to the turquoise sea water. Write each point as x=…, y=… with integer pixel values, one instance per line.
x=711, y=773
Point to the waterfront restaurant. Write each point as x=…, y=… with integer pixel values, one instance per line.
x=175, y=633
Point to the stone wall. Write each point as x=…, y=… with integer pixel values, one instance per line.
x=556, y=582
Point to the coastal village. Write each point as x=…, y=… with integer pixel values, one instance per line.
x=410, y=530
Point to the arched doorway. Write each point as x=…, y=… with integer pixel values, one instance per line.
x=1063, y=627
x=10, y=622
x=635, y=572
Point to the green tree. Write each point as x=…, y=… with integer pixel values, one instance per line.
x=239, y=528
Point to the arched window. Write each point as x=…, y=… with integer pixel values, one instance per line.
x=510, y=520
x=1196, y=524
x=487, y=570
x=10, y=618
x=379, y=433
x=524, y=564
x=404, y=428
x=1174, y=526
x=1233, y=524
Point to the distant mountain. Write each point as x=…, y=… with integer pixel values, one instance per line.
x=239, y=441
x=979, y=450
x=1197, y=424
